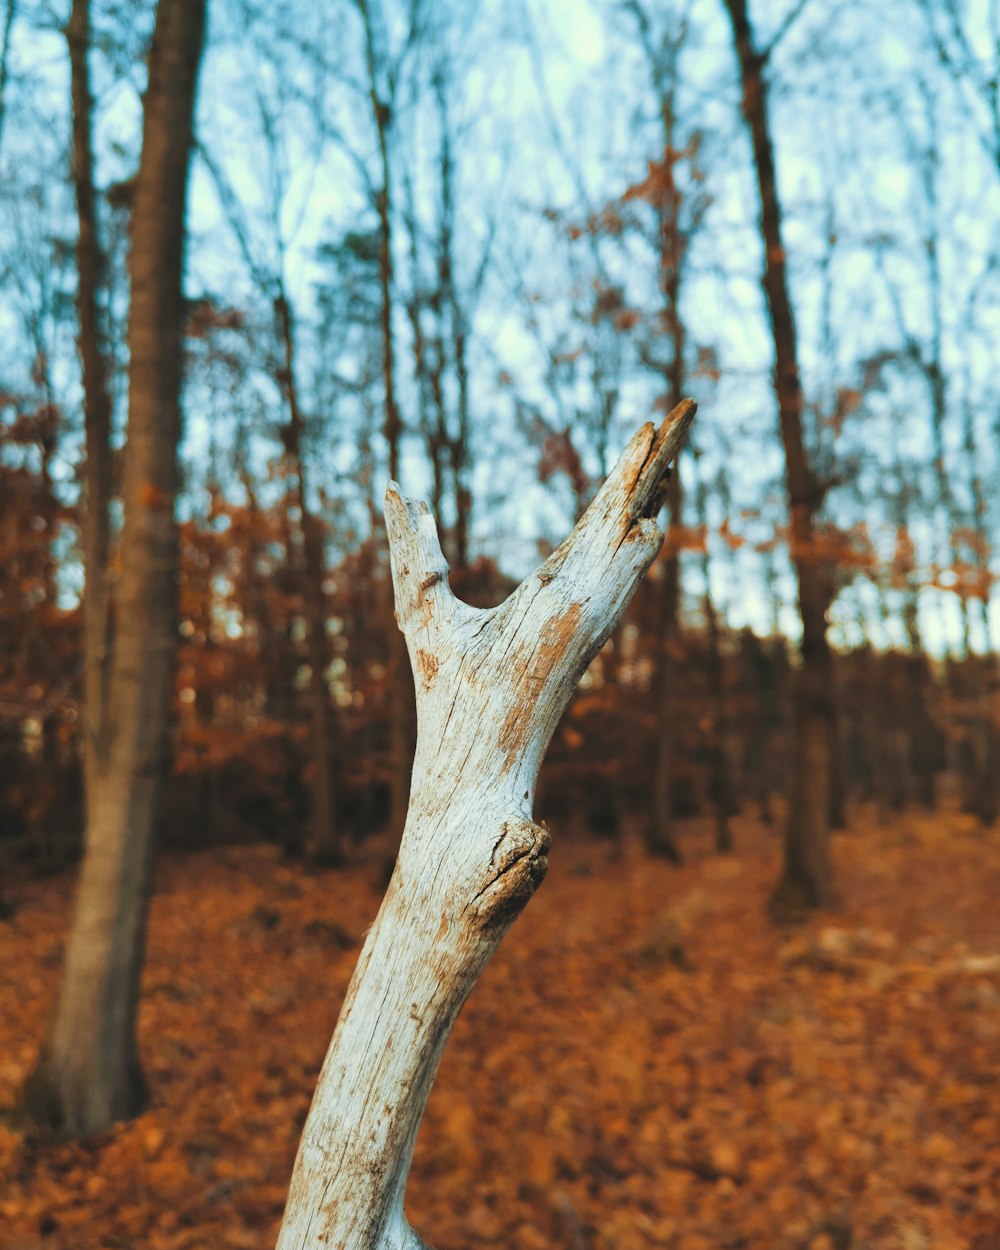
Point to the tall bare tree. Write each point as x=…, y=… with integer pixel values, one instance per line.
x=89, y=1072
x=440, y=308
x=267, y=261
x=662, y=60
x=719, y=781
x=97, y=472
x=325, y=844
x=806, y=878
x=678, y=214
x=9, y=16
x=383, y=74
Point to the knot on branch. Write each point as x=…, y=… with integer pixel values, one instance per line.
x=518, y=864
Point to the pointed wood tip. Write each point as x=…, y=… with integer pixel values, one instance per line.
x=403, y=510
x=651, y=487
x=675, y=425
x=395, y=501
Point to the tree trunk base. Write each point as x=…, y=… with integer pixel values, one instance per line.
x=328, y=857
x=794, y=898
x=664, y=848
x=75, y=1103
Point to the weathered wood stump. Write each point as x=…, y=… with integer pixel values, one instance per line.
x=491, y=685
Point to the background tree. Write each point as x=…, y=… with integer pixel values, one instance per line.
x=91, y=266
x=384, y=65
x=677, y=210
x=89, y=1073
x=806, y=874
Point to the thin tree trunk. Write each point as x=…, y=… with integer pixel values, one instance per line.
x=806, y=878
x=985, y=698
x=89, y=1073
x=723, y=790
x=661, y=837
x=919, y=725
x=399, y=721
x=868, y=745
x=836, y=811
x=325, y=845
x=758, y=721
x=458, y=442
x=719, y=787
x=97, y=472
x=427, y=392
x=719, y=783
x=10, y=13
x=491, y=686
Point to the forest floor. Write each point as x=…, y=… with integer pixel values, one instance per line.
x=647, y=1061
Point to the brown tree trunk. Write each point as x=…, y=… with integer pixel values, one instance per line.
x=719, y=786
x=325, y=845
x=399, y=702
x=89, y=1073
x=719, y=782
x=984, y=700
x=458, y=441
x=806, y=875
x=722, y=791
x=757, y=722
x=919, y=723
x=10, y=13
x=661, y=838
x=836, y=810
x=97, y=472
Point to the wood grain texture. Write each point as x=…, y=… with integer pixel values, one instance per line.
x=491, y=685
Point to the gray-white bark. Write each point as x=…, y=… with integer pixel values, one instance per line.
x=491, y=686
